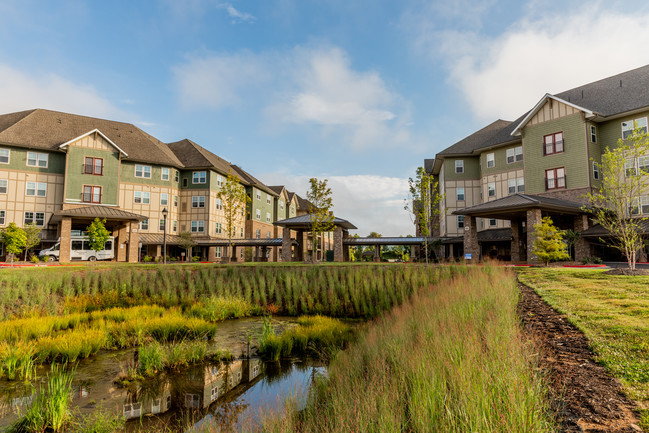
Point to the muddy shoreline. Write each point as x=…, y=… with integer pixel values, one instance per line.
x=585, y=398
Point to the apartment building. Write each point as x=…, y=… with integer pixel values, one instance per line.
x=501, y=180
x=61, y=170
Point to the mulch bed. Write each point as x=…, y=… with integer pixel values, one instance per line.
x=585, y=397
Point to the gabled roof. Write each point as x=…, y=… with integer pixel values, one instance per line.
x=539, y=105
x=304, y=221
x=94, y=131
x=517, y=203
x=302, y=203
x=95, y=211
x=47, y=130
x=194, y=156
x=251, y=180
x=279, y=190
x=482, y=138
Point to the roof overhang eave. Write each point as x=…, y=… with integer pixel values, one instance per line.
x=517, y=131
x=94, y=131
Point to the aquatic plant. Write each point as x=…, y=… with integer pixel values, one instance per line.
x=17, y=360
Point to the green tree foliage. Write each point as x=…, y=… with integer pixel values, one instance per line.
x=571, y=237
x=187, y=243
x=97, y=234
x=234, y=198
x=548, y=244
x=14, y=240
x=320, y=206
x=32, y=237
x=423, y=203
x=615, y=205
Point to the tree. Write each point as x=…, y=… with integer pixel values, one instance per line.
x=571, y=237
x=187, y=243
x=14, y=240
x=423, y=203
x=548, y=242
x=234, y=198
x=615, y=205
x=97, y=234
x=320, y=206
x=32, y=237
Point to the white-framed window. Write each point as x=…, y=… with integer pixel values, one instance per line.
x=37, y=159
x=219, y=228
x=198, y=201
x=4, y=156
x=198, y=226
x=258, y=194
x=493, y=222
x=241, y=236
x=144, y=225
x=2, y=217
x=219, y=204
x=4, y=186
x=267, y=216
x=268, y=200
x=258, y=234
x=629, y=167
x=132, y=410
x=199, y=177
x=161, y=225
x=491, y=189
x=595, y=170
x=511, y=186
x=192, y=400
x=174, y=226
x=257, y=214
x=644, y=204
x=593, y=134
x=217, y=252
x=176, y=176
x=629, y=125
x=459, y=166
x=175, y=201
x=36, y=218
x=514, y=154
x=219, y=180
x=164, y=173
x=143, y=171
x=643, y=164
x=520, y=184
x=460, y=193
x=38, y=189
x=164, y=199
x=553, y=143
x=460, y=221
x=142, y=197
x=491, y=160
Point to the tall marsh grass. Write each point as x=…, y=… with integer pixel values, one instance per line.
x=451, y=360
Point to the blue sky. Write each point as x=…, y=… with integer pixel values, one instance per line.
x=358, y=92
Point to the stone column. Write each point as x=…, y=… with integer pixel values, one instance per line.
x=233, y=254
x=134, y=243
x=301, y=242
x=211, y=254
x=377, y=253
x=158, y=251
x=339, y=255
x=582, y=247
x=287, y=246
x=471, y=245
x=533, y=217
x=66, y=241
x=516, y=241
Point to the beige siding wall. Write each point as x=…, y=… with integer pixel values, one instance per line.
x=15, y=203
x=451, y=204
x=552, y=110
x=153, y=210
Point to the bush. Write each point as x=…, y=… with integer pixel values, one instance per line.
x=147, y=258
x=597, y=260
x=173, y=259
x=34, y=259
x=45, y=258
x=196, y=259
x=585, y=260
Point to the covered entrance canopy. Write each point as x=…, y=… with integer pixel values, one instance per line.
x=302, y=224
x=524, y=211
x=124, y=227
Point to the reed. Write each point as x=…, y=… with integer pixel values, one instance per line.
x=17, y=360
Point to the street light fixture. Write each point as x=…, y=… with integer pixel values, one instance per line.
x=164, y=236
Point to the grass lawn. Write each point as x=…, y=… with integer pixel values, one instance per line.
x=613, y=312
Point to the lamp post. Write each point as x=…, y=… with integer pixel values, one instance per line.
x=164, y=236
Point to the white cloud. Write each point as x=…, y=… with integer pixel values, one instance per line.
x=21, y=91
x=505, y=76
x=237, y=15
x=316, y=88
x=370, y=202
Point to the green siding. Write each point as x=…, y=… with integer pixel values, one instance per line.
x=128, y=175
x=76, y=179
x=471, y=168
x=18, y=161
x=574, y=157
x=594, y=153
x=610, y=132
x=500, y=155
x=260, y=204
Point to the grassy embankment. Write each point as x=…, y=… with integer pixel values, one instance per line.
x=613, y=312
x=59, y=314
x=452, y=359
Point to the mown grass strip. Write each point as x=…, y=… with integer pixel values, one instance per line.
x=612, y=311
x=452, y=359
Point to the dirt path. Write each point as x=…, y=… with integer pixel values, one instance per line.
x=586, y=398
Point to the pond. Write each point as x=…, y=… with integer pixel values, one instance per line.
x=231, y=395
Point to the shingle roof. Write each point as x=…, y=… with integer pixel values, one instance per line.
x=597, y=230
x=100, y=212
x=194, y=156
x=158, y=239
x=251, y=180
x=516, y=202
x=305, y=220
x=277, y=189
x=618, y=94
x=47, y=130
x=482, y=138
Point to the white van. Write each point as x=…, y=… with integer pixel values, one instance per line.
x=80, y=250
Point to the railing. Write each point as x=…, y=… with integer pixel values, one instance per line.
x=555, y=183
x=555, y=147
x=88, y=197
x=90, y=169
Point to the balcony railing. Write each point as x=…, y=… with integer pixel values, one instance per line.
x=551, y=149
x=555, y=183
x=92, y=169
x=88, y=197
